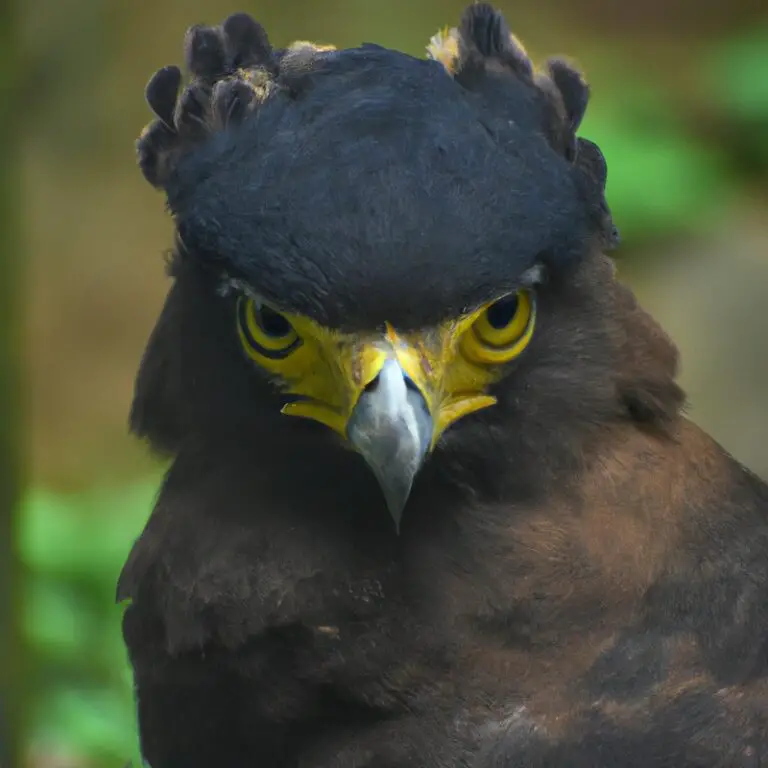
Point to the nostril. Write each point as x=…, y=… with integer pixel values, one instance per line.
x=372, y=385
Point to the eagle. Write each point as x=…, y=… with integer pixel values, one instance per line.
x=432, y=498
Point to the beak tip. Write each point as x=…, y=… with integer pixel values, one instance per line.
x=396, y=505
x=392, y=428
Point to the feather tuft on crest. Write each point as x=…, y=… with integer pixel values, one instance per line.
x=444, y=47
x=230, y=68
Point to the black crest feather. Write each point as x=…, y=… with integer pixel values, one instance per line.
x=161, y=93
x=246, y=43
x=204, y=52
x=153, y=150
x=227, y=66
x=573, y=89
x=593, y=168
x=192, y=112
x=230, y=101
x=484, y=34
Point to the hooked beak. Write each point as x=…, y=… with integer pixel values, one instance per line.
x=391, y=427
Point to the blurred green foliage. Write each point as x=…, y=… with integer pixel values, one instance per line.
x=648, y=148
x=692, y=157
x=74, y=546
x=738, y=77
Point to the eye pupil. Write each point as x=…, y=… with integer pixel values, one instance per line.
x=272, y=323
x=501, y=314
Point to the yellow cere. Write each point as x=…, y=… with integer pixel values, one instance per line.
x=452, y=364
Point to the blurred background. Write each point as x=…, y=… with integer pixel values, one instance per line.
x=679, y=107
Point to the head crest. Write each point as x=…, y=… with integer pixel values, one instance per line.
x=482, y=38
x=483, y=43
x=232, y=70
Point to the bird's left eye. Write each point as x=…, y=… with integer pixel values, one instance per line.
x=265, y=332
x=502, y=331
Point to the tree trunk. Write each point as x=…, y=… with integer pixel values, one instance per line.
x=12, y=695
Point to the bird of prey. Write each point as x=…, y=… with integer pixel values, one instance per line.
x=432, y=498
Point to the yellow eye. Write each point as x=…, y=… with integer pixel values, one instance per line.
x=502, y=330
x=265, y=332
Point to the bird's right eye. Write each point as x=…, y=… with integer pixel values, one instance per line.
x=265, y=332
x=502, y=331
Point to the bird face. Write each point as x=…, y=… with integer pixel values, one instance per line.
x=390, y=395
x=377, y=224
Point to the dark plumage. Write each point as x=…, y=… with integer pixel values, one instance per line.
x=576, y=574
x=381, y=159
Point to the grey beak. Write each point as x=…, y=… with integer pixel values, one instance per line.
x=392, y=429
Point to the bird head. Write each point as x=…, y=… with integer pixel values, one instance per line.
x=390, y=249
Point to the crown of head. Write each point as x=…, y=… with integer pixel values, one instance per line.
x=233, y=69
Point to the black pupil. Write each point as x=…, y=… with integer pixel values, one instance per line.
x=501, y=314
x=272, y=323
